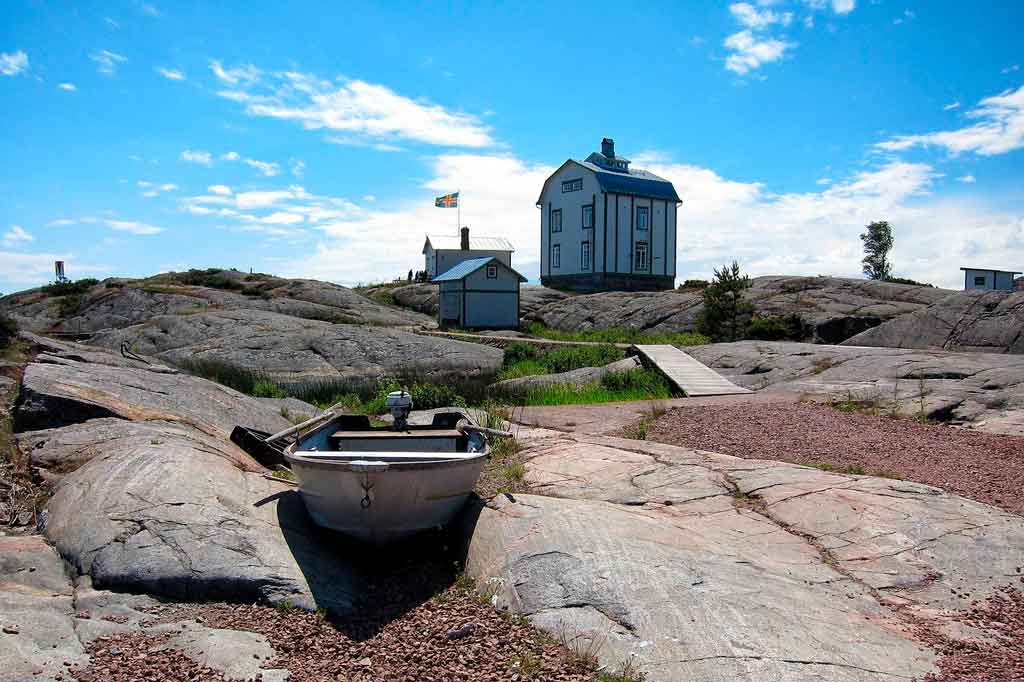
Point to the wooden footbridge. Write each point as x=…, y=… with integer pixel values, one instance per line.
x=690, y=376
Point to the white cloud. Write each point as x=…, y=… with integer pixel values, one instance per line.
x=245, y=74
x=133, y=226
x=951, y=106
x=61, y=222
x=13, y=63
x=16, y=236
x=70, y=87
x=843, y=6
x=355, y=107
x=107, y=61
x=171, y=74
x=297, y=167
x=999, y=129
x=969, y=178
x=267, y=168
x=153, y=189
x=809, y=21
x=230, y=156
x=1010, y=69
x=750, y=52
x=197, y=156
x=282, y=218
x=222, y=190
x=151, y=10
x=356, y=142
x=751, y=17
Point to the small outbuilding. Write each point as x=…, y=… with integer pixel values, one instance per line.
x=480, y=293
x=988, y=279
x=443, y=252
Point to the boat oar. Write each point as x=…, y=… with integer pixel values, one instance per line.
x=327, y=414
x=463, y=426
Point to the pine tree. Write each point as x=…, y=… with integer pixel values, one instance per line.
x=878, y=242
x=726, y=313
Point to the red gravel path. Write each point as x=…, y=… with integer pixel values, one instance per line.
x=984, y=467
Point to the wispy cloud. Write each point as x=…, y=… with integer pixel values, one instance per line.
x=355, y=107
x=133, y=227
x=239, y=75
x=750, y=52
x=13, y=63
x=197, y=156
x=107, y=61
x=843, y=6
x=221, y=190
x=171, y=74
x=999, y=129
x=297, y=167
x=70, y=87
x=951, y=106
x=1010, y=69
x=153, y=189
x=751, y=17
x=969, y=179
x=16, y=236
x=267, y=168
x=150, y=9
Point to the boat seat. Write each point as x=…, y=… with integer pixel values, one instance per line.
x=393, y=435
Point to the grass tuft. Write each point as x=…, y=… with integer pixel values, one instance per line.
x=618, y=335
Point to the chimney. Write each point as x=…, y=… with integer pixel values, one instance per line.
x=464, y=244
x=608, y=147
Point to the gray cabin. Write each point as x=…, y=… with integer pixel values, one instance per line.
x=480, y=293
x=443, y=252
x=988, y=280
x=605, y=226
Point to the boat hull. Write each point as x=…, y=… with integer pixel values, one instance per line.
x=382, y=503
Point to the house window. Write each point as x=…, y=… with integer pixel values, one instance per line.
x=585, y=256
x=492, y=272
x=556, y=220
x=640, y=257
x=572, y=185
x=642, y=217
x=979, y=281
x=588, y=216
x=556, y=256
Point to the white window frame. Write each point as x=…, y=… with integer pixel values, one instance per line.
x=644, y=211
x=588, y=208
x=556, y=225
x=556, y=256
x=641, y=257
x=574, y=185
x=585, y=260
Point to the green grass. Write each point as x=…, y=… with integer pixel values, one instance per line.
x=633, y=384
x=618, y=335
x=524, y=359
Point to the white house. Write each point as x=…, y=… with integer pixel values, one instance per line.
x=443, y=252
x=480, y=293
x=607, y=226
x=981, y=278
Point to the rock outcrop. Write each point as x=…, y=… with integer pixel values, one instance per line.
x=118, y=303
x=697, y=566
x=152, y=496
x=292, y=350
x=982, y=390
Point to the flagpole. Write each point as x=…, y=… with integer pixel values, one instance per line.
x=458, y=214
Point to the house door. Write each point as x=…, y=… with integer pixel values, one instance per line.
x=450, y=308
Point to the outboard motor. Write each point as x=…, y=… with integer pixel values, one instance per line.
x=400, y=405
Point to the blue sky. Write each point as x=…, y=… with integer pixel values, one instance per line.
x=310, y=140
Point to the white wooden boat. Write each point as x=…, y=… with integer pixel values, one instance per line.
x=381, y=484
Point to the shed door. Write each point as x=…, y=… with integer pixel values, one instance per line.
x=450, y=307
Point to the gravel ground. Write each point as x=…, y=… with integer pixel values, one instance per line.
x=982, y=466
x=1000, y=658
x=417, y=622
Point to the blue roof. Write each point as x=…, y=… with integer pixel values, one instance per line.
x=639, y=182
x=468, y=267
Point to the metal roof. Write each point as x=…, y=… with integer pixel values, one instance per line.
x=634, y=181
x=453, y=242
x=1011, y=272
x=468, y=267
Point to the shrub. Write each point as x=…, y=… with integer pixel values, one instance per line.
x=636, y=380
x=618, y=335
x=904, y=280
x=8, y=330
x=69, y=305
x=77, y=287
x=425, y=396
x=692, y=284
x=778, y=328
x=519, y=351
x=726, y=313
x=575, y=357
x=265, y=388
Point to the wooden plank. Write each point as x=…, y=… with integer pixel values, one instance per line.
x=690, y=376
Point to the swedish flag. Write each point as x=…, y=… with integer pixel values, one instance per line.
x=447, y=201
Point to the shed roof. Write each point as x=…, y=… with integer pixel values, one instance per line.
x=468, y=267
x=453, y=242
x=1010, y=272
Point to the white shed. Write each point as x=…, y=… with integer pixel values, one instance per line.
x=481, y=293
